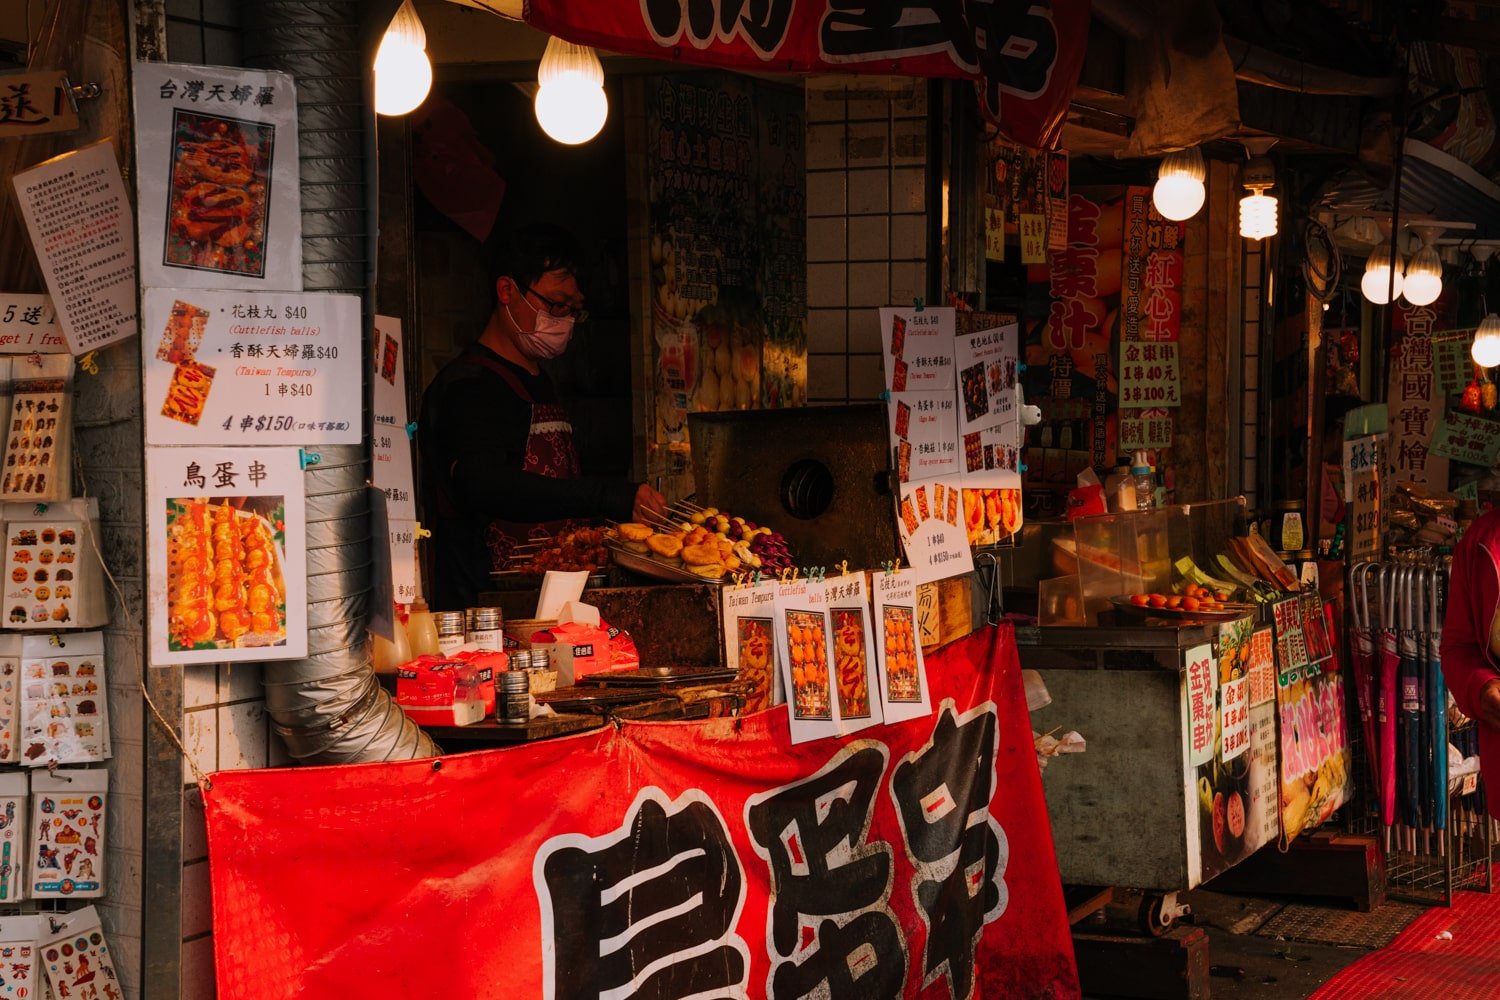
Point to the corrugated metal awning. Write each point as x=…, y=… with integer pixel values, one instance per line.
x=1434, y=185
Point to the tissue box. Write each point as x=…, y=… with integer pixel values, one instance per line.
x=577, y=650
x=439, y=692
x=487, y=663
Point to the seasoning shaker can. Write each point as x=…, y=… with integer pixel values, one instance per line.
x=519, y=659
x=514, y=702
x=484, y=628
x=450, y=630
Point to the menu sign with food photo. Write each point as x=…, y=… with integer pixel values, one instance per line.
x=990, y=418
x=750, y=643
x=234, y=368
x=802, y=646
x=924, y=434
x=228, y=570
x=918, y=345
x=855, y=671
x=903, y=674
x=930, y=523
x=216, y=149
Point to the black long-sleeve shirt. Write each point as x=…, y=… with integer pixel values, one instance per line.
x=472, y=439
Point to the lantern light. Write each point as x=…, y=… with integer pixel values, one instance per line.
x=1424, y=277
x=1258, y=209
x=570, y=103
x=403, y=73
x=1383, y=280
x=1179, y=190
x=1486, y=349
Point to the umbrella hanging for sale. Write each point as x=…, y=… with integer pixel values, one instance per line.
x=1437, y=703
x=1409, y=726
x=1363, y=660
x=1385, y=700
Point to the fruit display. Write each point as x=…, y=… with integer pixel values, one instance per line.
x=850, y=665
x=224, y=578
x=571, y=550
x=1192, y=598
x=708, y=543
x=808, y=645
x=903, y=682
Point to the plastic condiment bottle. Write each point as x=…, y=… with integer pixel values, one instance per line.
x=1119, y=488
x=1145, y=482
x=421, y=630
x=391, y=653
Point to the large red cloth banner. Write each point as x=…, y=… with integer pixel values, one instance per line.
x=663, y=860
x=1025, y=56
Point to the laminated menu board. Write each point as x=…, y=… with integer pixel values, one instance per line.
x=10, y=702
x=227, y=570
x=854, y=668
x=216, y=168
x=15, y=788
x=64, y=705
x=67, y=810
x=989, y=410
x=903, y=674
x=53, y=575
x=803, y=644
x=21, y=975
x=38, y=440
x=77, y=958
x=750, y=643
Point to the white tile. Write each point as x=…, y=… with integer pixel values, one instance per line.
x=242, y=736
x=1252, y=304
x=866, y=377
x=125, y=821
x=239, y=682
x=1252, y=405
x=198, y=969
x=194, y=830
x=909, y=190
x=869, y=192
x=200, y=736
x=825, y=285
x=1251, y=375
x=869, y=144
x=864, y=331
x=200, y=685
x=908, y=237
x=868, y=100
x=908, y=281
x=825, y=104
x=826, y=378
x=825, y=146
x=911, y=100
x=825, y=239
x=869, y=237
x=826, y=331
x=825, y=192
x=909, y=142
x=869, y=284
x=197, y=900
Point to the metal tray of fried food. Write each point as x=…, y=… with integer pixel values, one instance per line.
x=646, y=566
x=645, y=676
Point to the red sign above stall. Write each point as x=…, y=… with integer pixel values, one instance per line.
x=679, y=859
x=1025, y=57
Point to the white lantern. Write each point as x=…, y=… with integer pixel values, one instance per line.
x=403, y=73
x=1179, y=190
x=1378, y=284
x=570, y=102
x=1257, y=216
x=1424, y=277
x=1486, y=349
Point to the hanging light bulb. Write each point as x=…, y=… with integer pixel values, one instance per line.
x=1258, y=209
x=570, y=102
x=1486, y=349
x=1424, y=277
x=403, y=73
x=1179, y=190
x=1378, y=284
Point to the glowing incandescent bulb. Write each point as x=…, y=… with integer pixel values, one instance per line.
x=1179, y=190
x=570, y=102
x=403, y=73
x=1379, y=284
x=1486, y=349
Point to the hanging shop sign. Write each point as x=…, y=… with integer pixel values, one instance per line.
x=1025, y=61
x=1452, y=363
x=28, y=325
x=216, y=154
x=1364, y=462
x=1150, y=429
x=252, y=369
x=77, y=212
x=36, y=102
x=227, y=568
x=1468, y=438
x=1415, y=402
x=910, y=856
x=391, y=456
x=989, y=407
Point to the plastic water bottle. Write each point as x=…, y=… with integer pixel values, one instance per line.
x=1145, y=482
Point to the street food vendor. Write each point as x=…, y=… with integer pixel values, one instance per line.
x=1471, y=640
x=498, y=460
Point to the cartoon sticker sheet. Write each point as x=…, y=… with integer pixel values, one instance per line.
x=42, y=562
x=14, y=789
x=64, y=710
x=903, y=674
x=67, y=811
x=77, y=959
x=21, y=976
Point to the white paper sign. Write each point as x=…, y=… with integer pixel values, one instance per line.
x=855, y=673
x=64, y=705
x=804, y=658
x=391, y=467
x=227, y=567
x=903, y=672
x=932, y=530
x=1234, y=719
x=67, y=856
x=918, y=348
x=403, y=539
x=28, y=323
x=989, y=408
x=750, y=646
x=1202, y=682
x=79, y=218
x=216, y=154
x=252, y=369
x=15, y=789
x=924, y=434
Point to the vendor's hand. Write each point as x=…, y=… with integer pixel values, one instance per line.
x=1489, y=704
x=648, y=503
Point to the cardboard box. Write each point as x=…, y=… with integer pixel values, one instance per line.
x=439, y=692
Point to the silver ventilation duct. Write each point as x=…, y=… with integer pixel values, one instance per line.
x=329, y=707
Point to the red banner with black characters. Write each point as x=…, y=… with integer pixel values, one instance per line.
x=683, y=859
x=1024, y=57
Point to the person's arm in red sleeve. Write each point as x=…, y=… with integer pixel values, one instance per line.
x=1473, y=594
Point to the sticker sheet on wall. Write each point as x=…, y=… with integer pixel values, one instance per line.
x=64, y=709
x=21, y=976
x=77, y=958
x=38, y=452
x=67, y=811
x=10, y=701
x=14, y=790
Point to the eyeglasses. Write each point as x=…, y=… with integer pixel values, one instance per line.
x=560, y=309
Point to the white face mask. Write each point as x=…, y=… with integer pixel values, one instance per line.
x=548, y=337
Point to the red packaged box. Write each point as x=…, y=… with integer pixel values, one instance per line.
x=576, y=650
x=439, y=692
x=487, y=663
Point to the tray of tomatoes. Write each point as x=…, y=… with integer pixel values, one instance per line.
x=1195, y=603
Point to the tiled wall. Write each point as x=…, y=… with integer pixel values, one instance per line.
x=1250, y=369
x=866, y=225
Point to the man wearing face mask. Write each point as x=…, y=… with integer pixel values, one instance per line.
x=498, y=461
